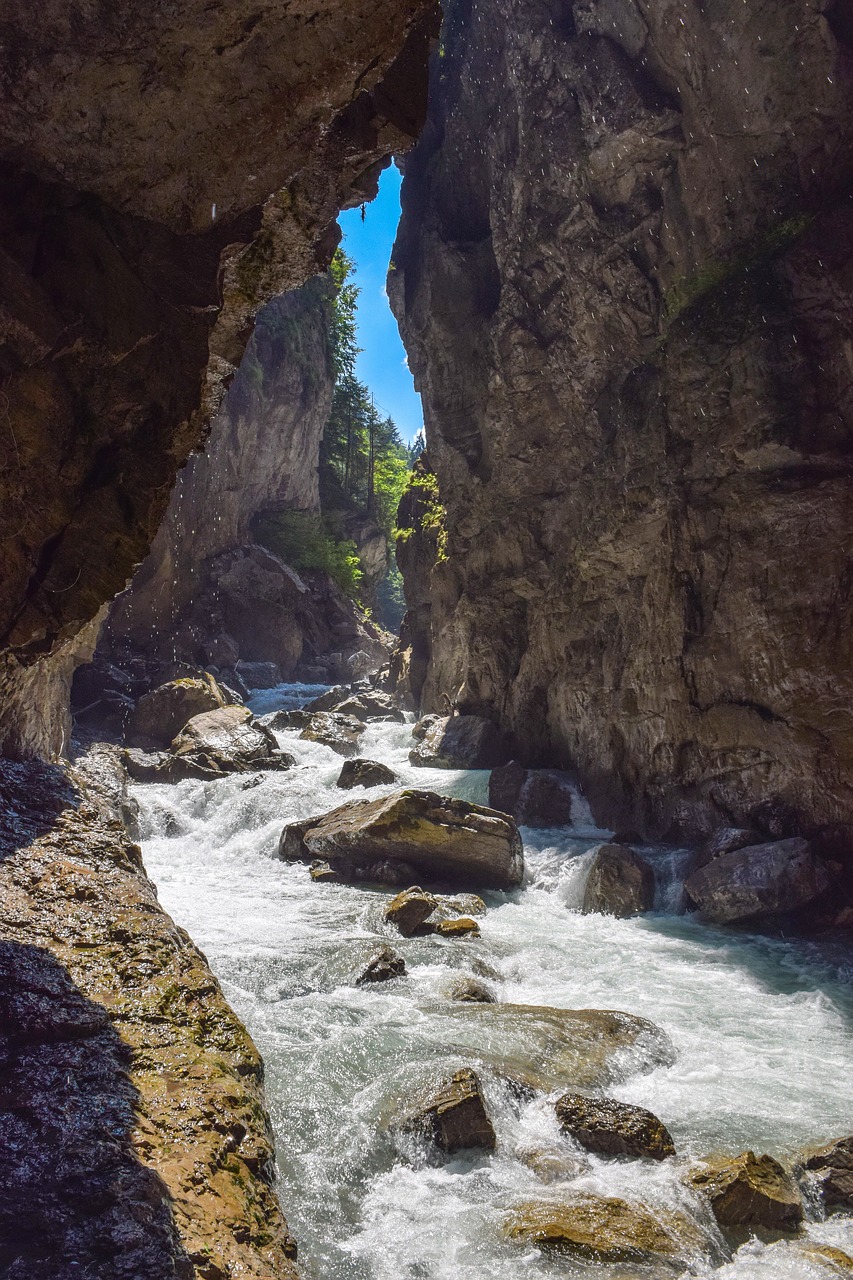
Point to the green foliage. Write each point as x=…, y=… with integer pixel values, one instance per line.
x=343, y=324
x=433, y=513
x=305, y=541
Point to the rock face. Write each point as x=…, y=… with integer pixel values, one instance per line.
x=534, y=797
x=455, y=1116
x=623, y=280
x=613, y=1128
x=439, y=838
x=208, y=183
x=760, y=880
x=460, y=742
x=605, y=1229
x=831, y=1167
x=750, y=1191
x=132, y=1123
x=620, y=883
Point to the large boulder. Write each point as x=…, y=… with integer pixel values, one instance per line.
x=412, y=832
x=540, y=1048
x=749, y=1191
x=161, y=714
x=341, y=733
x=225, y=740
x=371, y=705
x=534, y=797
x=365, y=773
x=759, y=880
x=724, y=840
x=606, y=1229
x=461, y=742
x=612, y=1128
x=453, y=1116
x=830, y=1169
x=620, y=883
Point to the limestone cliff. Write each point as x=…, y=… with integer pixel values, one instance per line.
x=625, y=281
x=166, y=170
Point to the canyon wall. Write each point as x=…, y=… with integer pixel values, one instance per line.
x=165, y=171
x=624, y=278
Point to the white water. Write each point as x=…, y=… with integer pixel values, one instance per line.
x=763, y=1029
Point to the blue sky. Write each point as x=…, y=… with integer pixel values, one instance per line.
x=382, y=363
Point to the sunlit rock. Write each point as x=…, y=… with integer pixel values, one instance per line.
x=225, y=740
x=454, y=1117
x=612, y=1128
x=371, y=705
x=749, y=1191
x=620, y=883
x=409, y=910
x=341, y=733
x=378, y=963
x=161, y=714
x=606, y=1229
x=830, y=1169
x=469, y=991
x=364, y=773
x=460, y=927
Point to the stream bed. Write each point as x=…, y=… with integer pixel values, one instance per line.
x=763, y=1030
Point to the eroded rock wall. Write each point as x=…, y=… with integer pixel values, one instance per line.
x=165, y=171
x=624, y=278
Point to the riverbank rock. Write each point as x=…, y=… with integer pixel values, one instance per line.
x=371, y=705
x=409, y=910
x=461, y=927
x=226, y=741
x=620, y=883
x=534, y=797
x=605, y=1229
x=541, y=1048
x=759, y=880
x=421, y=727
x=381, y=963
x=326, y=701
x=432, y=836
x=612, y=1128
x=749, y=1191
x=161, y=714
x=454, y=1117
x=341, y=733
x=321, y=873
x=831, y=1170
x=365, y=773
x=461, y=742
x=469, y=991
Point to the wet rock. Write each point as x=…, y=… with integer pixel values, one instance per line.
x=605, y=1229
x=759, y=880
x=421, y=727
x=341, y=733
x=442, y=839
x=611, y=1128
x=469, y=991
x=725, y=840
x=831, y=1170
x=322, y=872
x=454, y=1117
x=409, y=910
x=461, y=904
x=162, y=766
x=371, y=705
x=326, y=701
x=461, y=927
x=534, y=797
x=551, y=1164
x=380, y=965
x=544, y=1049
x=227, y=741
x=620, y=883
x=838, y=1260
x=749, y=1191
x=365, y=773
x=461, y=742
x=161, y=714
x=259, y=675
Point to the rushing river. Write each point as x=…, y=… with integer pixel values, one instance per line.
x=763, y=1030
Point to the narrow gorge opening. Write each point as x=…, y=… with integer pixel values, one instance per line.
x=532, y=889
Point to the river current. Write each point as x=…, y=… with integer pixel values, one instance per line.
x=763, y=1030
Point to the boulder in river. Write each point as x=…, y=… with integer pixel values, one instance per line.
x=724, y=840
x=341, y=733
x=610, y=1128
x=469, y=991
x=460, y=927
x=749, y=1191
x=380, y=963
x=409, y=910
x=534, y=797
x=161, y=714
x=620, y=883
x=371, y=705
x=365, y=773
x=227, y=741
x=759, y=880
x=443, y=840
x=421, y=727
x=454, y=1116
x=461, y=742
x=328, y=700
x=830, y=1169
x=605, y=1229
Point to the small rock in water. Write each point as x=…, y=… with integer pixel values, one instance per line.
x=552, y=1165
x=326, y=701
x=620, y=883
x=341, y=733
x=469, y=991
x=365, y=773
x=321, y=871
x=749, y=1191
x=383, y=964
x=461, y=904
x=409, y=910
x=454, y=1117
x=251, y=783
x=831, y=1170
x=605, y=1229
x=463, y=927
x=612, y=1128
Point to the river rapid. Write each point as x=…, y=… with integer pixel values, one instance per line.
x=763, y=1030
